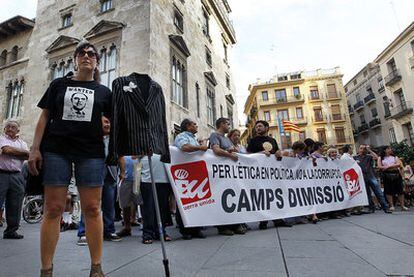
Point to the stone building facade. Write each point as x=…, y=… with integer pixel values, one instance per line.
x=368, y=106
x=381, y=95
x=313, y=100
x=184, y=45
x=396, y=64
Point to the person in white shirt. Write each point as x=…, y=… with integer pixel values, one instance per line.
x=346, y=153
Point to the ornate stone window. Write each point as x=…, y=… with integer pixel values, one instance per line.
x=14, y=99
x=107, y=65
x=14, y=54
x=61, y=68
x=3, y=58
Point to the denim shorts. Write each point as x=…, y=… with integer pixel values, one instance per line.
x=57, y=170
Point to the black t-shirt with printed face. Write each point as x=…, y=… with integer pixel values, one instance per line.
x=259, y=143
x=75, y=120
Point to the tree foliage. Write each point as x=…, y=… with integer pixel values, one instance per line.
x=403, y=150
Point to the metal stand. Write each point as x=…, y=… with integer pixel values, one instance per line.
x=158, y=213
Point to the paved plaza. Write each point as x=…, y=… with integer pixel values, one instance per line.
x=367, y=245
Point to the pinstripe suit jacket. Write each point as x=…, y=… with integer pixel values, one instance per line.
x=138, y=125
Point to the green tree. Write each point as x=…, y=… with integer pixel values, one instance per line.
x=403, y=150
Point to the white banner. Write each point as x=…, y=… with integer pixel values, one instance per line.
x=212, y=190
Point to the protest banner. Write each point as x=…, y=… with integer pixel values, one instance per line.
x=212, y=190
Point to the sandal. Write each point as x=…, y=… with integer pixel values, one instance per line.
x=147, y=241
x=167, y=238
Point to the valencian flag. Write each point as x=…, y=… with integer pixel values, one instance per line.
x=289, y=126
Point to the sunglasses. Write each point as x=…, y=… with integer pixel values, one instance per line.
x=91, y=54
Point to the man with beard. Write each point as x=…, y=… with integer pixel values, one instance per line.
x=263, y=143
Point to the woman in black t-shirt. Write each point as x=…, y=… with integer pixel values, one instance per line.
x=69, y=133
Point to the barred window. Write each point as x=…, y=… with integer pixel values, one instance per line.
x=14, y=99
x=106, y=5
x=67, y=20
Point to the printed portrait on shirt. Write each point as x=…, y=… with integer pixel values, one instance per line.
x=78, y=104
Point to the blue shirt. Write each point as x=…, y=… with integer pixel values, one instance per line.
x=185, y=138
x=158, y=169
x=220, y=140
x=129, y=168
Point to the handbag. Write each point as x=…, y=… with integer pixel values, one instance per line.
x=34, y=184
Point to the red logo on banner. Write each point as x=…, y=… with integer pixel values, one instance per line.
x=191, y=180
x=352, y=182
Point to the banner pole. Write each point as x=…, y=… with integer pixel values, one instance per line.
x=158, y=214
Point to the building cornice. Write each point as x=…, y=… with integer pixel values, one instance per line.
x=15, y=25
x=395, y=42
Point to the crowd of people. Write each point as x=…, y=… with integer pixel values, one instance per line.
x=73, y=142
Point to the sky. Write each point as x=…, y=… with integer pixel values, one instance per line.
x=279, y=36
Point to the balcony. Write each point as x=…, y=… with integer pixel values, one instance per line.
x=319, y=119
x=333, y=96
x=369, y=99
x=315, y=97
x=343, y=140
x=281, y=101
x=363, y=128
x=359, y=105
x=393, y=77
x=376, y=122
x=355, y=132
x=222, y=14
x=350, y=110
x=298, y=121
x=401, y=110
x=253, y=112
x=338, y=117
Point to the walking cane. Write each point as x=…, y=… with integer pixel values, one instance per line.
x=157, y=212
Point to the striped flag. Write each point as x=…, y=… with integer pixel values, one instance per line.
x=289, y=126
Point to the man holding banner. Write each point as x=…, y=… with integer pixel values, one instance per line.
x=222, y=146
x=215, y=190
x=186, y=141
x=263, y=143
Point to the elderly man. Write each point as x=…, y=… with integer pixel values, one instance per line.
x=186, y=141
x=13, y=151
